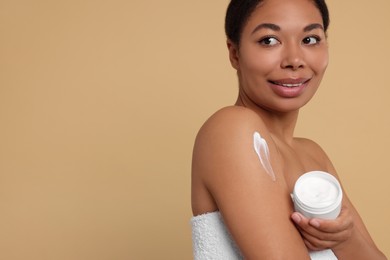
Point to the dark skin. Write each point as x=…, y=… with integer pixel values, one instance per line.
x=280, y=63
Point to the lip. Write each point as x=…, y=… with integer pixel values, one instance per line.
x=289, y=87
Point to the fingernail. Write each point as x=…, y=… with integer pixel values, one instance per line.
x=296, y=218
x=315, y=223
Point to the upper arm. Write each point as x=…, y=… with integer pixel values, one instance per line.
x=255, y=208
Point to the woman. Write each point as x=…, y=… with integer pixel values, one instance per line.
x=242, y=207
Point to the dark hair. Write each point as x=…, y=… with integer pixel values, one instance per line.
x=239, y=11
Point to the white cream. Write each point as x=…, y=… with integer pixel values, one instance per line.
x=261, y=148
x=317, y=192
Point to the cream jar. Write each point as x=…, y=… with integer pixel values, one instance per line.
x=317, y=194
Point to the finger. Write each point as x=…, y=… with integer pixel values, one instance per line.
x=303, y=223
x=322, y=231
x=313, y=247
x=300, y=220
x=330, y=237
x=330, y=226
x=317, y=243
x=343, y=222
x=310, y=246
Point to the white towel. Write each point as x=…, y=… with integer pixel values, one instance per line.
x=212, y=241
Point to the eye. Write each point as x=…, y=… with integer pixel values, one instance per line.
x=311, y=40
x=269, y=41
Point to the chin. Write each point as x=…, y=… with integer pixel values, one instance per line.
x=288, y=106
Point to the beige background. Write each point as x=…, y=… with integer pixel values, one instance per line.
x=100, y=102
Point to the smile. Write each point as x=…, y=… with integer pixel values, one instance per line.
x=289, y=87
x=290, y=83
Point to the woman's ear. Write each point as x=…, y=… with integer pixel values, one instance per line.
x=233, y=54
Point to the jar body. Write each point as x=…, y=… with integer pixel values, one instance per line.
x=317, y=194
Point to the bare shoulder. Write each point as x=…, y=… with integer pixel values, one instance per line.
x=232, y=118
x=225, y=137
x=310, y=145
x=227, y=130
x=315, y=152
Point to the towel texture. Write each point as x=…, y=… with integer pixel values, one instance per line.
x=212, y=241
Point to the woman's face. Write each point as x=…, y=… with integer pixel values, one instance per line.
x=282, y=56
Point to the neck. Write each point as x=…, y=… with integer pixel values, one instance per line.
x=280, y=124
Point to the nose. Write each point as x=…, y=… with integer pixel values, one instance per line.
x=293, y=58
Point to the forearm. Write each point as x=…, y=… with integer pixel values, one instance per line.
x=357, y=247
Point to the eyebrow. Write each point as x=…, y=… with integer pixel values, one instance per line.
x=271, y=26
x=313, y=26
x=277, y=28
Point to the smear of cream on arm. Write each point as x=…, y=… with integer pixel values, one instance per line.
x=261, y=148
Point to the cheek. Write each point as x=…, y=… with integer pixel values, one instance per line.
x=320, y=62
x=261, y=63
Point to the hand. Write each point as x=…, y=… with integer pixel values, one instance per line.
x=319, y=234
